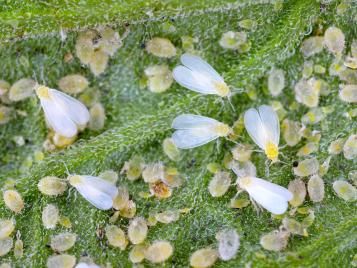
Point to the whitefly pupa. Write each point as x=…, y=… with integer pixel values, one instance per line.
x=63, y=241
x=137, y=253
x=307, y=167
x=116, y=236
x=50, y=216
x=161, y=47
x=7, y=226
x=350, y=147
x=276, y=240
x=5, y=246
x=159, y=78
x=22, y=89
x=18, y=246
x=316, y=188
x=133, y=168
x=61, y=261
x=276, y=82
x=159, y=251
x=52, y=186
x=168, y=216
x=73, y=83
x=219, y=184
x=345, y=190
x=137, y=230
x=298, y=189
x=97, y=117
x=13, y=200
x=203, y=258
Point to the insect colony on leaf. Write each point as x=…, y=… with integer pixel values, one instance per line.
x=67, y=116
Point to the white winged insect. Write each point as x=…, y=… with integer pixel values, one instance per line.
x=270, y=196
x=197, y=75
x=100, y=193
x=263, y=127
x=196, y=130
x=64, y=114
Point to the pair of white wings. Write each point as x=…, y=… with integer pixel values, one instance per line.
x=98, y=192
x=270, y=196
x=262, y=125
x=196, y=75
x=193, y=130
x=63, y=113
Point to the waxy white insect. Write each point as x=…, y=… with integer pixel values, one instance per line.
x=100, y=193
x=270, y=196
x=64, y=114
x=197, y=75
x=196, y=130
x=263, y=127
